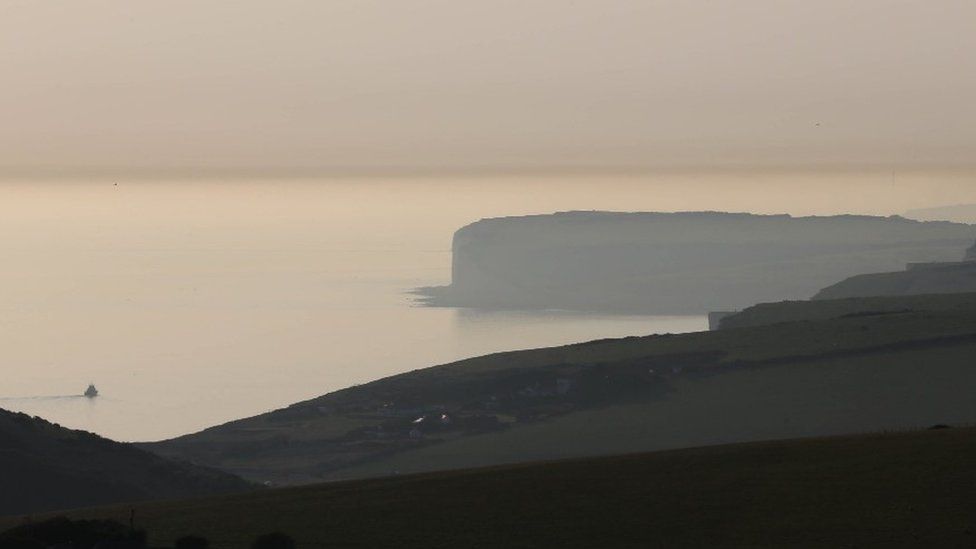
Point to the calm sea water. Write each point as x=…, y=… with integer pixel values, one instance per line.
x=191, y=303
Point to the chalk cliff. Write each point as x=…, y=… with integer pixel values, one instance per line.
x=690, y=262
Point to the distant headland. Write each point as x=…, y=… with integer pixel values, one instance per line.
x=678, y=263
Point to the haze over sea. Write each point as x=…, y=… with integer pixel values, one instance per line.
x=191, y=302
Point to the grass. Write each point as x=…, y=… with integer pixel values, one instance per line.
x=946, y=278
x=910, y=489
x=45, y=466
x=833, y=396
x=865, y=307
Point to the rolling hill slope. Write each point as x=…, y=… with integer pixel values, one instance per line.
x=938, y=278
x=897, y=490
x=44, y=466
x=818, y=374
x=765, y=314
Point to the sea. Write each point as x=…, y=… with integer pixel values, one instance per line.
x=190, y=301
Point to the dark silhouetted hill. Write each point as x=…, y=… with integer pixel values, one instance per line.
x=62, y=532
x=900, y=490
x=691, y=262
x=44, y=466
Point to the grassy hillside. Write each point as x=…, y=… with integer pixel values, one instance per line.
x=948, y=278
x=884, y=490
x=44, y=466
x=867, y=393
x=826, y=375
x=865, y=307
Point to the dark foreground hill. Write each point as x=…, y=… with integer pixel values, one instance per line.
x=44, y=467
x=687, y=262
x=817, y=368
x=912, y=489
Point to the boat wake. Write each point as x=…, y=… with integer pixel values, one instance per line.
x=42, y=397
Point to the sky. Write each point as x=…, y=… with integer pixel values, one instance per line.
x=450, y=85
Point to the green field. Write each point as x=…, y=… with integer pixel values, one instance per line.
x=909, y=389
x=863, y=307
x=932, y=278
x=911, y=489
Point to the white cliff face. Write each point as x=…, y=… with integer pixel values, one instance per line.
x=663, y=263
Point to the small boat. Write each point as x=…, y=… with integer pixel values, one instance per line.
x=91, y=391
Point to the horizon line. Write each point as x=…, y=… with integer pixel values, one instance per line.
x=298, y=172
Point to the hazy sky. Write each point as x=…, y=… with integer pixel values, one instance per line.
x=465, y=84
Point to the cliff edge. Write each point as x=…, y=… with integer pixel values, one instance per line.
x=678, y=263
